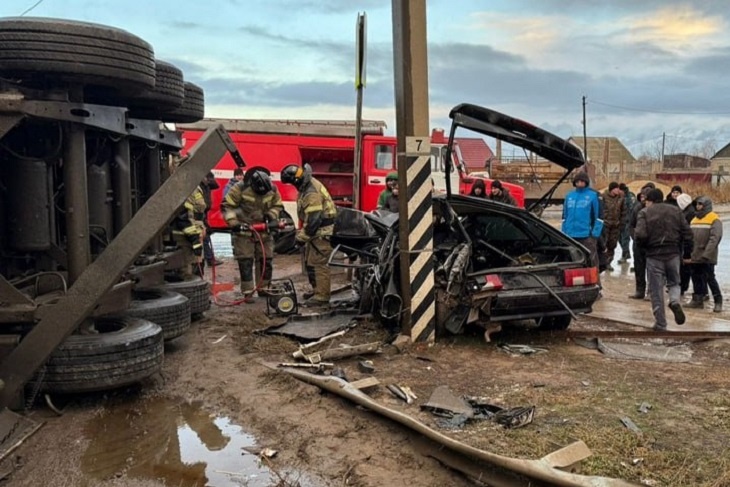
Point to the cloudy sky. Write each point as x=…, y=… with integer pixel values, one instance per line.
x=646, y=68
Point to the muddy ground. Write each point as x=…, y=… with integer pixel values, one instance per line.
x=579, y=394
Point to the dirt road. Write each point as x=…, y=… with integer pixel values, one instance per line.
x=215, y=382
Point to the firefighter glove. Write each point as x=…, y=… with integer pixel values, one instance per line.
x=198, y=251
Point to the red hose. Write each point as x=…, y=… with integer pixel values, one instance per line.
x=247, y=299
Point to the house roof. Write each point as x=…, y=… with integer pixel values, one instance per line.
x=474, y=151
x=724, y=152
x=609, y=149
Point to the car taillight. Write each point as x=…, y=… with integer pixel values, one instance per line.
x=581, y=277
x=492, y=282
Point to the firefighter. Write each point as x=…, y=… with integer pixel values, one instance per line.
x=316, y=212
x=189, y=232
x=250, y=201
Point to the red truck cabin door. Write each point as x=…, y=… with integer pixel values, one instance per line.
x=378, y=159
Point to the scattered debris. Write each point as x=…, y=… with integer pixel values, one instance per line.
x=366, y=383
x=343, y=351
x=630, y=425
x=301, y=352
x=403, y=393
x=401, y=342
x=623, y=350
x=446, y=404
x=515, y=349
x=315, y=326
x=339, y=372
x=366, y=366
x=541, y=470
x=268, y=453
x=644, y=407
x=425, y=359
x=219, y=339
x=317, y=366
x=585, y=383
x=515, y=417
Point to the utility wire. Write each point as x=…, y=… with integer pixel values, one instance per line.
x=32, y=7
x=666, y=112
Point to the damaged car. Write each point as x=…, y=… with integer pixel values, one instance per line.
x=493, y=263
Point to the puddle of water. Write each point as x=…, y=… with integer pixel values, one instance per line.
x=179, y=444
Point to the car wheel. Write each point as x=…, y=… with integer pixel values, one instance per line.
x=554, y=323
x=193, y=106
x=168, y=309
x=196, y=289
x=75, y=51
x=107, y=353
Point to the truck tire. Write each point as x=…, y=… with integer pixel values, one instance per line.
x=37, y=49
x=111, y=352
x=168, y=94
x=193, y=106
x=168, y=309
x=197, y=290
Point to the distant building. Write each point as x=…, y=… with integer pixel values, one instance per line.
x=721, y=160
x=685, y=161
x=609, y=155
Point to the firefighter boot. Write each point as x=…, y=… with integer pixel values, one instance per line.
x=697, y=302
x=718, y=304
x=268, y=266
x=245, y=268
x=312, y=281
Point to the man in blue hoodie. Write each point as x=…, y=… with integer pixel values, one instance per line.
x=582, y=215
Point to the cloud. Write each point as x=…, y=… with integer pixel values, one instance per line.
x=677, y=27
x=331, y=6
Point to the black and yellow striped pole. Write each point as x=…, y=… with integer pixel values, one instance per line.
x=414, y=169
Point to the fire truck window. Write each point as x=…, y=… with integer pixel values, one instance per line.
x=384, y=157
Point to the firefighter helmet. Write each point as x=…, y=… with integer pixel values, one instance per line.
x=295, y=175
x=260, y=182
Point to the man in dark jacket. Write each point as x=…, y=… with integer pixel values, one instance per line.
x=662, y=230
x=639, y=252
x=674, y=194
x=613, y=218
x=501, y=194
x=625, y=238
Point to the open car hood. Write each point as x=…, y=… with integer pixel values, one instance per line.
x=517, y=132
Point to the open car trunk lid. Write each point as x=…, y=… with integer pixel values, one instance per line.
x=516, y=132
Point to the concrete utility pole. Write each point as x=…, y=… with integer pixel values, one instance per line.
x=414, y=169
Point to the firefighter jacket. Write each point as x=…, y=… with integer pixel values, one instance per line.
x=190, y=219
x=614, y=208
x=243, y=205
x=316, y=211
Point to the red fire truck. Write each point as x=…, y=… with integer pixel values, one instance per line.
x=329, y=148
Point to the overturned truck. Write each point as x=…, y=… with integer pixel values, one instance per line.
x=88, y=287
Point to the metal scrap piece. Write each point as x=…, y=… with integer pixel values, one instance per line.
x=445, y=403
x=630, y=424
